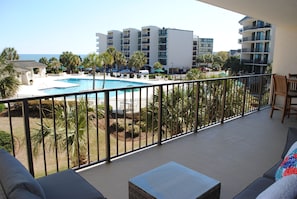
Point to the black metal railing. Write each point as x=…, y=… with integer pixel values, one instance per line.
x=76, y=130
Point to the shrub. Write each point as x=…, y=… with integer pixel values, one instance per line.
x=5, y=141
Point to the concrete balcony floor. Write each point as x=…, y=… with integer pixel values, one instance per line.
x=235, y=153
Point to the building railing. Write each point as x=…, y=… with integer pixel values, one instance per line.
x=76, y=130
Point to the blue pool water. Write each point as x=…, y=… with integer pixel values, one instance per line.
x=87, y=84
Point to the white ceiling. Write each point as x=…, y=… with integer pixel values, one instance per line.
x=277, y=12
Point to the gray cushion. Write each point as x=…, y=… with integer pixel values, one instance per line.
x=68, y=184
x=255, y=188
x=291, y=138
x=15, y=178
x=285, y=188
x=2, y=193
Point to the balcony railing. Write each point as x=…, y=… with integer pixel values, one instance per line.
x=77, y=130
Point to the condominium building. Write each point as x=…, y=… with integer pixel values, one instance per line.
x=256, y=44
x=149, y=43
x=201, y=46
x=114, y=39
x=101, y=42
x=173, y=48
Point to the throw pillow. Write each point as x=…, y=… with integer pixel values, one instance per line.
x=288, y=165
x=285, y=188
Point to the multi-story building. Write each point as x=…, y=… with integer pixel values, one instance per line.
x=201, y=46
x=101, y=42
x=173, y=48
x=149, y=43
x=130, y=41
x=256, y=44
x=114, y=39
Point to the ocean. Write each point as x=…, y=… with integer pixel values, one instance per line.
x=36, y=57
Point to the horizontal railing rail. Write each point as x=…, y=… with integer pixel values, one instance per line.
x=76, y=130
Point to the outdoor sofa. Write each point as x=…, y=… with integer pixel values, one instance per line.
x=285, y=187
x=17, y=183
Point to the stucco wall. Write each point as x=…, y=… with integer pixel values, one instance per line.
x=285, y=54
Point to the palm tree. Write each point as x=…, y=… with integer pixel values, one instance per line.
x=10, y=54
x=70, y=61
x=108, y=60
x=93, y=60
x=43, y=60
x=9, y=84
x=74, y=140
x=137, y=60
x=120, y=59
x=54, y=64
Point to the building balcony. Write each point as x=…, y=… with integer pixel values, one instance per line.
x=232, y=141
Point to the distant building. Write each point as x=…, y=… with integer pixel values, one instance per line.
x=101, y=43
x=256, y=44
x=235, y=52
x=201, y=46
x=27, y=70
x=175, y=49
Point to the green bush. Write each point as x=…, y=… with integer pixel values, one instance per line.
x=2, y=107
x=5, y=141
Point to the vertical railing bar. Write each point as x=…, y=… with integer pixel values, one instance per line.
x=160, y=115
x=146, y=118
x=125, y=122
x=153, y=115
x=196, y=107
x=244, y=96
x=260, y=92
x=139, y=111
x=166, y=112
x=77, y=132
x=66, y=130
x=88, y=130
x=97, y=127
x=28, y=136
x=107, y=129
x=42, y=130
x=10, y=128
x=55, y=133
x=117, y=123
x=224, y=101
x=133, y=119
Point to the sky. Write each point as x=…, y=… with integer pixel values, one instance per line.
x=55, y=26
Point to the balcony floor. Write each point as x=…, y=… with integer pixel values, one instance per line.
x=235, y=153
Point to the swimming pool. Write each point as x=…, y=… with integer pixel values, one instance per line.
x=87, y=84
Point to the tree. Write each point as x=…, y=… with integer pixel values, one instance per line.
x=9, y=84
x=137, y=60
x=233, y=64
x=108, y=60
x=10, y=54
x=120, y=59
x=157, y=65
x=74, y=140
x=93, y=60
x=43, y=60
x=70, y=61
x=194, y=74
x=54, y=64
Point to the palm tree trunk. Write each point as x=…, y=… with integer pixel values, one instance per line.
x=103, y=84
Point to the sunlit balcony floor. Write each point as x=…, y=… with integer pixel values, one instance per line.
x=235, y=153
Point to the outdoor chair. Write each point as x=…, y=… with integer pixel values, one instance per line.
x=281, y=89
x=293, y=85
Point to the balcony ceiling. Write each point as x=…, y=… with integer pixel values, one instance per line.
x=282, y=13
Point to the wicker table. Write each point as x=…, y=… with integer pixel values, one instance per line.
x=173, y=181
